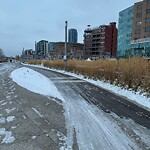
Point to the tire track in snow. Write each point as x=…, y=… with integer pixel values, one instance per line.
x=93, y=129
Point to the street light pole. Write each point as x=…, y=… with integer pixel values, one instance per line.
x=65, y=52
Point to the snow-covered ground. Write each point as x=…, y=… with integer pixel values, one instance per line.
x=5, y=133
x=92, y=127
x=135, y=97
x=4, y=67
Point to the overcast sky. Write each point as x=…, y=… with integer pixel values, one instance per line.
x=22, y=22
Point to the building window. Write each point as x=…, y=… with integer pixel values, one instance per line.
x=147, y=29
x=136, y=38
x=127, y=41
x=147, y=20
x=139, y=7
x=148, y=2
x=130, y=12
x=138, y=31
x=148, y=11
x=138, y=23
x=139, y=15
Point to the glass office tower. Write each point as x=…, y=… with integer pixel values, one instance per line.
x=125, y=31
x=72, y=36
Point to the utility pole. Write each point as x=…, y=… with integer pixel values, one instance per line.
x=65, y=52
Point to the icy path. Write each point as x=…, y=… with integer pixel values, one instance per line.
x=93, y=129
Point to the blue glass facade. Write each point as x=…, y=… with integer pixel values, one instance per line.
x=50, y=46
x=73, y=36
x=125, y=31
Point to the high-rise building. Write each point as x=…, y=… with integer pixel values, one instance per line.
x=125, y=30
x=72, y=36
x=134, y=30
x=100, y=42
x=42, y=48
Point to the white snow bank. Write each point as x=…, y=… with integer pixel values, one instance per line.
x=132, y=96
x=35, y=82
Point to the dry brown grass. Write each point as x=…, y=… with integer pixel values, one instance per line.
x=37, y=62
x=130, y=73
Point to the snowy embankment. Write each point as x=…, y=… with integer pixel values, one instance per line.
x=35, y=82
x=135, y=97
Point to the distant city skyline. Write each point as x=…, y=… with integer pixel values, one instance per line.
x=26, y=21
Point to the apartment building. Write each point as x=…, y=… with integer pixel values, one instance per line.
x=41, y=48
x=134, y=36
x=100, y=42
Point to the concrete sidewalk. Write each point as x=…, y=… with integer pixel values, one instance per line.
x=29, y=121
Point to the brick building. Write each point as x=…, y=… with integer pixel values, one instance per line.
x=141, y=20
x=100, y=42
x=74, y=50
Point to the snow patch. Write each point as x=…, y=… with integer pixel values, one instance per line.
x=10, y=118
x=2, y=120
x=13, y=127
x=88, y=59
x=8, y=97
x=4, y=103
x=9, y=110
x=33, y=137
x=1, y=101
x=37, y=112
x=8, y=136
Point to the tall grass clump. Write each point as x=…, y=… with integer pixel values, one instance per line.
x=131, y=73
x=35, y=62
x=134, y=73
x=57, y=64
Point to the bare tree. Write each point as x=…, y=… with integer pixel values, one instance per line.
x=1, y=52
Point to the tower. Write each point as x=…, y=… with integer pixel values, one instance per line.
x=72, y=36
